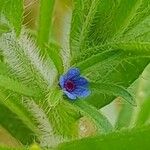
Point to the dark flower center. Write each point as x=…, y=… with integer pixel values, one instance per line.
x=69, y=86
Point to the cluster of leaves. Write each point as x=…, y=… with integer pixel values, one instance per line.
x=109, y=41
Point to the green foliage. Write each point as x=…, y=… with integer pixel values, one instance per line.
x=143, y=113
x=3, y=28
x=14, y=125
x=125, y=139
x=113, y=89
x=125, y=116
x=109, y=43
x=15, y=86
x=45, y=21
x=13, y=11
x=104, y=41
x=54, y=53
x=103, y=125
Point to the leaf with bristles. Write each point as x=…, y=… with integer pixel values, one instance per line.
x=15, y=86
x=23, y=57
x=63, y=118
x=46, y=136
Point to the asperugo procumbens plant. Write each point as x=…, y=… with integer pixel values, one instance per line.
x=46, y=89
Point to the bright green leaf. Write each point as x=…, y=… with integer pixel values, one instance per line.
x=137, y=138
x=53, y=51
x=13, y=11
x=10, y=84
x=45, y=21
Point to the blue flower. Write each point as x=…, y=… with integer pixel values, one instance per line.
x=74, y=85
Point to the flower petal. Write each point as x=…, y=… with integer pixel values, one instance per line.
x=70, y=95
x=82, y=92
x=85, y=93
x=81, y=81
x=72, y=73
x=62, y=81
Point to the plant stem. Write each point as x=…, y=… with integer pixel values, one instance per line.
x=45, y=21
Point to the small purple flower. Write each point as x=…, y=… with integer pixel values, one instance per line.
x=74, y=85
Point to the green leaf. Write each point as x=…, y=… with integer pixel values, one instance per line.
x=53, y=51
x=114, y=90
x=45, y=21
x=10, y=84
x=15, y=126
x=100, y=120
x=108, y=40
x=137, y=138
x=83, y=15
x=113, y=52
x=24, y=59
x=46, y=130
x=4, y=28
x=13, y=11
x=99, y=21
x=115, y=64
x=4, y=69
x=54, y=97
x=8, y=148
x=143, y=114
x=7, y=140
x=125, y=116
x=15, y=106
x=63, y=118
x=139, y=25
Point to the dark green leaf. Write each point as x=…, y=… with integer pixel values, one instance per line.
x=112, y=89
x=15, y=126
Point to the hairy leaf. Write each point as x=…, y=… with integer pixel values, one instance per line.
x=114, y=65
x=10, y=84
x=63, y=118
x=99, y=21
x=46, y=136
x=23, y=57
x=108, y=39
